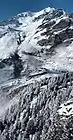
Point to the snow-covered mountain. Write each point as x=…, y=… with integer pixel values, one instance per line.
x=36, y=76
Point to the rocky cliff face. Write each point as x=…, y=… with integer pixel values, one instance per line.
x=36, y=86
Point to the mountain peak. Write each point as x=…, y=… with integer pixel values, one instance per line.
x=36, y=76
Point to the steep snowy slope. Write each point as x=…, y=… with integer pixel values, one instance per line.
x=37, y=32
x=44, y=111
x=36, y=75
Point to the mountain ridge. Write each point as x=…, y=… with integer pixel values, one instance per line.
x=36, y=71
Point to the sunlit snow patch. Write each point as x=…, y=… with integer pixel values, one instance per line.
x=66, y=109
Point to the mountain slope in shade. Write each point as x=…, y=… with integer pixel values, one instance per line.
x=36, y=76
